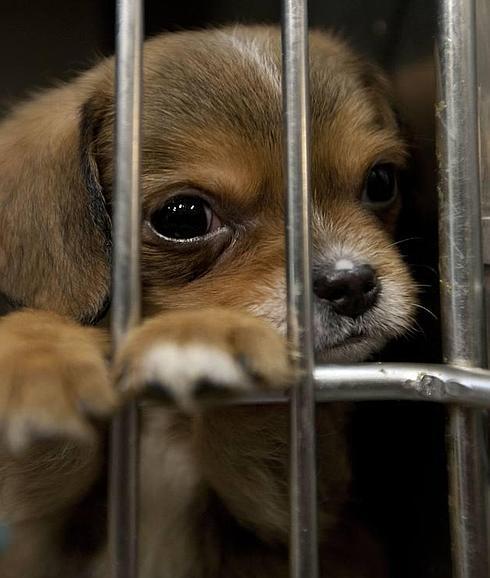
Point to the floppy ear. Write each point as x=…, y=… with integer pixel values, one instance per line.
x=55, y=240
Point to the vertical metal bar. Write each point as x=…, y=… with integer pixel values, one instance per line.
x=303, y=541
x=483, y=69
x=462, y=277
x=123, y=514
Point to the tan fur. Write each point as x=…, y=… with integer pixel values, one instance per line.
x=214, y=481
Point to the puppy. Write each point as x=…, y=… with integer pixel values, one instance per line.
x=213, y=482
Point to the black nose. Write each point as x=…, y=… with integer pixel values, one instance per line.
x=350, y=292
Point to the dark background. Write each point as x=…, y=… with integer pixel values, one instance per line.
x=42, y=40
x=398, y=448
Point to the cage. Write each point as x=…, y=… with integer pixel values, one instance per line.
x=462, y=122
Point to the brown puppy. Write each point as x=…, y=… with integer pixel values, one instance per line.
x=214, y=491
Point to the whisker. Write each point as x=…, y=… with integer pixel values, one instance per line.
x=427, y=311
x=405, y=241
x=422, y=266
x=414, y=330
x=418, y=329
x=423, y=288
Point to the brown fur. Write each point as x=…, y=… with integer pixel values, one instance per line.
x=214, y=491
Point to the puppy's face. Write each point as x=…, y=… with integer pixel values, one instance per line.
x=213, y=187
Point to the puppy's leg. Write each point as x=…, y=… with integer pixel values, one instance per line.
x=241, y=452
x=188, y=356
x=53, y=379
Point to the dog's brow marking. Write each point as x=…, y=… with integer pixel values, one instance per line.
x=256, y=53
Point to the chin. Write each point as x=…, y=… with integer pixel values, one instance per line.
x=350, y=352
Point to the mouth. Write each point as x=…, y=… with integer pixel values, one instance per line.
x=354, y=347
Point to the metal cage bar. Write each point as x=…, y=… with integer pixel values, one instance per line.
x=483, y=72
x=461, y=269
x=303, y=535
x=385, y=381
x=125, y=314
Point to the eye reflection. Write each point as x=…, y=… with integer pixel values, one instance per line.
x=184, y=217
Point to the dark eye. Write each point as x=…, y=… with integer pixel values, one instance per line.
x=184, y=217
x=381, y=188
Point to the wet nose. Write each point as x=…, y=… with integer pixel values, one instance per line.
x=349, y=291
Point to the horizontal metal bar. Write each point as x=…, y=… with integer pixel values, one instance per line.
x=412, y=382
x=383, y=381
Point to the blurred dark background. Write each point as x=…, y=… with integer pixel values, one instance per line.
x=398, y=448
x=46, y=39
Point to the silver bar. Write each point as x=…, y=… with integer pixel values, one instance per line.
x=303, y=539
x=462, y=277
x=125, y=312
x=380, y=382
x=483, y=66
x=483, y=71
x=411, y=382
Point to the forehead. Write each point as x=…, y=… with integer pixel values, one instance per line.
x=214, y=98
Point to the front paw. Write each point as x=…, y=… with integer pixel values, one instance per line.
x=53, y=379
x=190, y=356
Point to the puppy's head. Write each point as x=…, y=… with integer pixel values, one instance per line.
x=213, y=186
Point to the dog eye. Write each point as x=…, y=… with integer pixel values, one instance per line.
x=381, y=188
x=184, y=217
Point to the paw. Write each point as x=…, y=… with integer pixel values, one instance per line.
x=53, y=379
x=188, y=357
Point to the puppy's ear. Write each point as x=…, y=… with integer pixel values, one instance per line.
x=55, y=240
